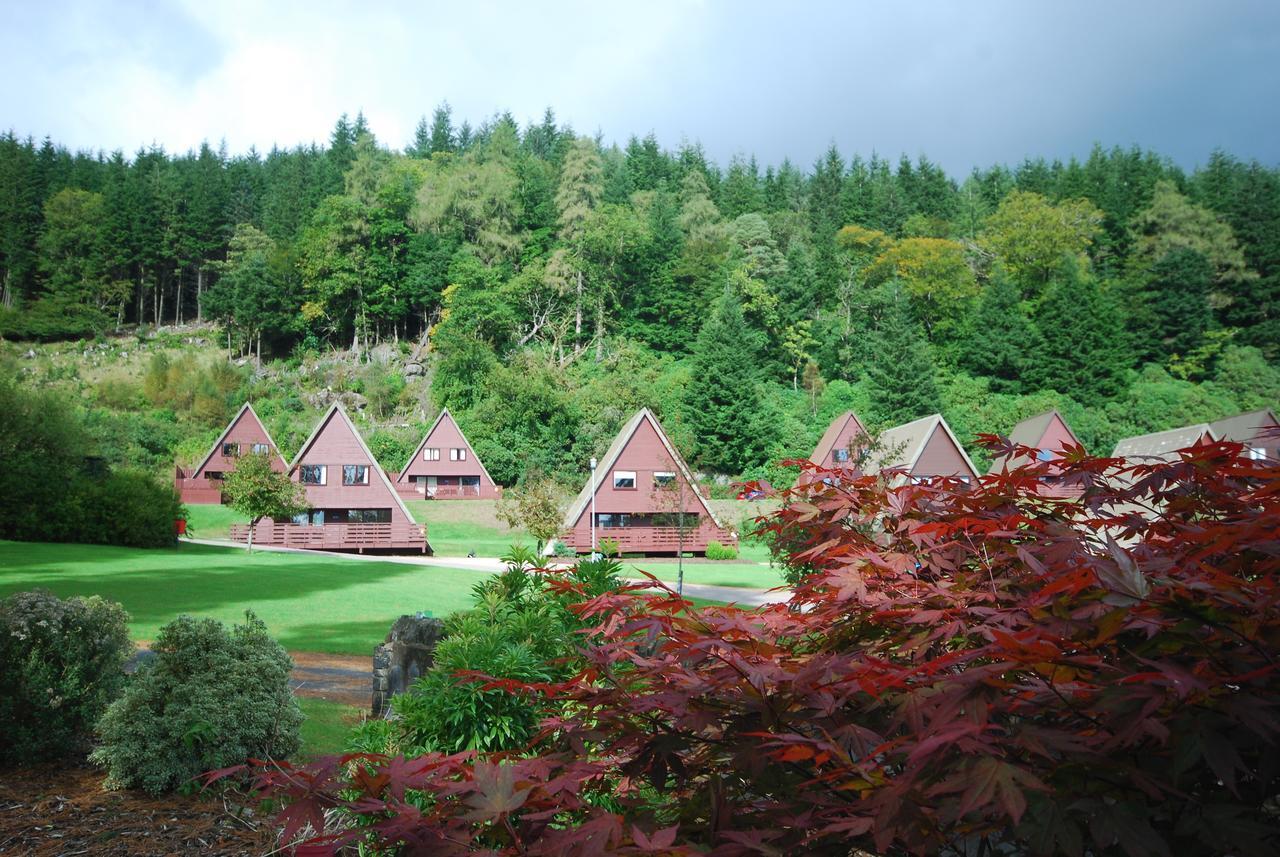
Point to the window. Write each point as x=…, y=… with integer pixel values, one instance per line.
x=1256, y=453
x=672, y=519
x=312, y=474
x=261, y=449
x=1044, y=454
x=355, y=474
x=310, y=518
x=431, y=453
x=840, y=455
x=624, y=479
x=458, y=454
x=662, y=479
x=369, y=516
x=470, y=481
x=613, y=519
x=230, y=450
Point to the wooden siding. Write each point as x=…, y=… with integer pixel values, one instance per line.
x=244, y=431
x=445, y=435
x=941, y=457
x=844, y=432
x=335, y=445
x=645, y=454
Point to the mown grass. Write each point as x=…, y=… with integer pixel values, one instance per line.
x=327, y=727
x=207, y=521
x=310, y=603
x=458, y=527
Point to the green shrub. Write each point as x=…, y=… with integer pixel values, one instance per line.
x=715, y=550
x=61, y=664
x=560, y=549
x=210, y=699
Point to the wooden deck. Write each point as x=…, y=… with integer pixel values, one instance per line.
x=411, y=491
x=401, y=538
x=198, y=491
x=651, y=540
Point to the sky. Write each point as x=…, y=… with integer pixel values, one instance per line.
x=967, y=83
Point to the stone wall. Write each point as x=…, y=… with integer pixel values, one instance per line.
x=409, y=651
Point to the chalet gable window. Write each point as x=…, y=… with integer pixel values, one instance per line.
x=662, y=478
x=355, y=474
x=230, y=450
x=431, y=453
x=840, y=455
x=456, y=454
x=1044, y=454
x=1256, y=453
x=312, y=474
x=261, y=449
x=624, y=479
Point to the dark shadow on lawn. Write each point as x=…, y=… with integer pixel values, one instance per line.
x=345, y=638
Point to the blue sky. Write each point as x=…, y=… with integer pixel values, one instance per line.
x=966, y=83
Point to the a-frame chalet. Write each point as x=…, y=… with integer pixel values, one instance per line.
x=445, y=466
x=244, y=435
x=353, y=504
x=1048, y=434
x=839, y=446
x=642, y=486
x=921, y=450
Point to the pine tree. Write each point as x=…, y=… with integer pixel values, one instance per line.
x=442, y=136
x=900, y=370
x=722, y=401
x=998, y=338
x=1082, y=349
x=421, y=145
x=1177, y=303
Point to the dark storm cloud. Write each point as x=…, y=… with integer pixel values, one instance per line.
x=965, y=83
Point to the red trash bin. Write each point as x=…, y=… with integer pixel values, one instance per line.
x=181, y=526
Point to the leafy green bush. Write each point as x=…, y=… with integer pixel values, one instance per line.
x=521, y=630
x=62, y=665
x=562, y=550
x=716, y=550
x=127, y=508
x=211, y=698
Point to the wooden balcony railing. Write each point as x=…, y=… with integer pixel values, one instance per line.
x=655, y=539
x=337, y=537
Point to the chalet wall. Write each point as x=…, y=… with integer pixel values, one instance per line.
x=334, y=446
x=941, y=457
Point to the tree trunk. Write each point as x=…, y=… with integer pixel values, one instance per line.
x=177, y=308
x=577, y=312
x=253, y=523
x=199, y=293
x=599, y=330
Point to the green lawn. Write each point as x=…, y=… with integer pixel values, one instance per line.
x=310, y=603
x=206, y=521
x=327, y=727
x=457, y=527
x=750, y=575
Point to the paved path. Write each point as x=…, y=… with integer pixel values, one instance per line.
x=743, y=596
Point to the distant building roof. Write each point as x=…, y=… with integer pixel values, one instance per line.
x=832, y=434
x=1244, y=427
x=901, y=446
x=1163, y=444
x=1030, y=432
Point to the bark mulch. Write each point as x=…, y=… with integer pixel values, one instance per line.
x=63, y=810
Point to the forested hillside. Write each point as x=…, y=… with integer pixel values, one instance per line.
x=543, y=284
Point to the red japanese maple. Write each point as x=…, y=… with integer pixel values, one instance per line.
x=960, y=670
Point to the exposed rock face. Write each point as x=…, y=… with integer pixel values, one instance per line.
x=412, y=370
x=409, y=651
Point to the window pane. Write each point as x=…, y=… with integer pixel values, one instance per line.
x=840, y=455
x=311, y=474
x=355, y=474
x=261, y=449
x=230, y=450
x=624, y=479
x=431, y=453
x=662, y=479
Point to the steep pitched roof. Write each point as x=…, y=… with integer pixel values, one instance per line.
x=1028, y=433
x=901, y=446
x=611, y=456
x=1243, y=427
x=832, y=434
x=1162, y=444
x=341, y=412
x=426, y=437
x=217, y=444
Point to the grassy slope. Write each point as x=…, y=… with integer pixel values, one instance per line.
x=205, y=521
x=456, y=527
x=310, y=603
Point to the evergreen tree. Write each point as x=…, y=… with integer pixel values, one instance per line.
x=421, y=145
x=1082, y=344
x=998, y=338
x=900, y=371
x=722, y=400
x=442, y=137
x=1177, y=304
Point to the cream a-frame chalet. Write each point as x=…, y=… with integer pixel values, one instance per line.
x=244, y=435
x=353, y=505
x=1048, y=434
x=923, y=449
x=642, y=487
